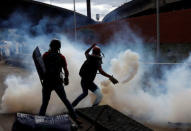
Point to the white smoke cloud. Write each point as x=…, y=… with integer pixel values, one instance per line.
x=139, y=94
x=24, y=94
x=166, y=100
x=127, y=67
x=157, y=101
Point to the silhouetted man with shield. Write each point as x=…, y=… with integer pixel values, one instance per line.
x=54, y=62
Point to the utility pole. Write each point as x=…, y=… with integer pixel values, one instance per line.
x=88, y=8
x=75, y=32
x=158, y=28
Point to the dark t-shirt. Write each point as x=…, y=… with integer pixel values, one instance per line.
x=54, y=62
x=90, y=67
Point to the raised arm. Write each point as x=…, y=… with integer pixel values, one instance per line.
x=89, y=49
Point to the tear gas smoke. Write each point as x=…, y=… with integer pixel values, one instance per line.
x=157, y=101
x=24, y=94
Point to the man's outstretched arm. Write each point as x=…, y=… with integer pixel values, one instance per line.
x=111, y=78
x=103, y=72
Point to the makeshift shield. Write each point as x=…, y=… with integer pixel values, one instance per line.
x=39, y=63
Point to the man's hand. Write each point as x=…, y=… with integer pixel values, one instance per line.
x=93, y=45
x=66, y=81
x=89, y=49
x=113, y=80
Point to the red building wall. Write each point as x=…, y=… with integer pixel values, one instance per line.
x=175, y=27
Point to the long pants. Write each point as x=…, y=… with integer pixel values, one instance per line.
x=59, y=89
x=92, y=87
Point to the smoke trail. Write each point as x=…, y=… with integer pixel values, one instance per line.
x=127, y=67
x=165, y=100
